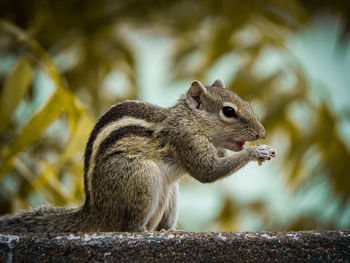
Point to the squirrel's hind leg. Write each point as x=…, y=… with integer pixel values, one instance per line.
x=146, y=198
x=169, y=219
x=133, y=197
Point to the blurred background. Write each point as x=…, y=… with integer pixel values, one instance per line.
x=64, y=63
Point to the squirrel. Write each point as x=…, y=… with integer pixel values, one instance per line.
x=136, y=154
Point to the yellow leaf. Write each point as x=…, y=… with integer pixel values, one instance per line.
x=33, y=130
x=16, y=85
x=78, y=137
x=73, y=109
x=48, y=175
x=26, y=173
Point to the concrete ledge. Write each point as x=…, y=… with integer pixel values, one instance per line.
x=309, y=246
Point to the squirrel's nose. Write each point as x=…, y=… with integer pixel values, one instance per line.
x=261, y=134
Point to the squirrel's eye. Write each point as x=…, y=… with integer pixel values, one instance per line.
x=229, y=112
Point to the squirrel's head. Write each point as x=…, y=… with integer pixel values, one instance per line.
x=226, y=119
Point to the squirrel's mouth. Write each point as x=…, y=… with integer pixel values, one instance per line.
x=235, y=146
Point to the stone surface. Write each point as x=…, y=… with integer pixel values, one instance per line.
x=309, y=246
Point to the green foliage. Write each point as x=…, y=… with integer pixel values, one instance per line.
x=14, y=90
x=50, y=167
x=62, y=101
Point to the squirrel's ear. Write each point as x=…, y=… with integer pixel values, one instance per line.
x=219, y=83
x=193, y=97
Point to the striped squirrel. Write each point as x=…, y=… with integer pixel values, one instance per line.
x=137, y=153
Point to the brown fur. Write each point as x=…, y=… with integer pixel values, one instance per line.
x=136, y=154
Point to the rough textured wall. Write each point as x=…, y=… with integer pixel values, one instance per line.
x=309, y=246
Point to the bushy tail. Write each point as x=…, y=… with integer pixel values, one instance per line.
x=43, y=220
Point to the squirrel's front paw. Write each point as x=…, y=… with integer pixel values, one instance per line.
x=264, y=152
